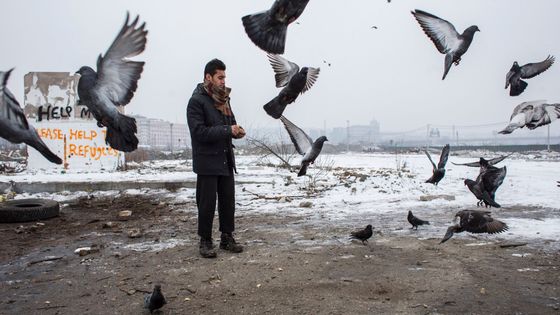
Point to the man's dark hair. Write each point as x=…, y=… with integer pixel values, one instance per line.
x=214, y=65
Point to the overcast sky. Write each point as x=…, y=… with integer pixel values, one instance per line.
x=392, y=73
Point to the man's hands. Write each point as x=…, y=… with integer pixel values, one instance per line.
x=237, y=131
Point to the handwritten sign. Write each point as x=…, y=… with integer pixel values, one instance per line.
x=68, y=129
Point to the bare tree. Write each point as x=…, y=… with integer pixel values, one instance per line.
x=285, y=153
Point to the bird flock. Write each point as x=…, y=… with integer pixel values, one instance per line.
x=115, y=81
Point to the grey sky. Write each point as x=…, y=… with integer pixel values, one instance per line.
x=392, y=73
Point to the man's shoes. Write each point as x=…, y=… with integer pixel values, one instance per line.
x=228, y=243
x=207, y=248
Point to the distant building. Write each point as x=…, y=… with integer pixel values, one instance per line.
x=161, y=134
x=356, y=134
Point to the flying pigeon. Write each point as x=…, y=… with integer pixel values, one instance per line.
x=304, y=144
x=13, y=124
x=486, y=184
x=439, y=170
x=268, y=29
x=363, y=235
x=415, y=221
x=450, y=43
x=483, y=161
x=516, y=73
x=532, y=115
x=114, y=84
x=475, y=221
x=154, y=300
x=294, y=81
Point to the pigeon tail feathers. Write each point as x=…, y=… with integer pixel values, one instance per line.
x=267, y=34
x=303, y=170
x=124, y=138
x=517, y=87
x=448, y=63
x=40, y=146
x=275, y=108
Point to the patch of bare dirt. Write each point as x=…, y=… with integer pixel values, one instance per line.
x=289, y=267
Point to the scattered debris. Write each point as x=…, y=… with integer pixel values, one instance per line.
x=82, y=251
x=125, y=215
x=110, y=225
x=134, y=233
x=512, y=245
x=48, y=258
x=305, y=204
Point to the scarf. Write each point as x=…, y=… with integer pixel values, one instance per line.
x=220, y=95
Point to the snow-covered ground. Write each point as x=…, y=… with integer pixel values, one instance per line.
x=359, y=189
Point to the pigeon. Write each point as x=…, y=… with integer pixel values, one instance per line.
x=475, y=221
x=304, y=144
x=483, y=161
x=532, y=114
x=415, y=221
x=516, y=73
x=450, y=43
x=439, y=170
x=114, y=84
x=154, y=300
x=268, y=29
x=486, y=184
x=294, y=81
x=13, y=124
x=363, y=235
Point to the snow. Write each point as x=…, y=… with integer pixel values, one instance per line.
x=359, y=189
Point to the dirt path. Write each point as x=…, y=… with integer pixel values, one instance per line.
x=289, y=267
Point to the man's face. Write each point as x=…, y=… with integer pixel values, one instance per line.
x=218, y=79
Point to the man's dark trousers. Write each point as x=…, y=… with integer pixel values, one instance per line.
x=207, y=186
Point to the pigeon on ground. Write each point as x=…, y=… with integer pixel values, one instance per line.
x=532, y=115
x=114, y=84
x=415, y=221
x=486, y=184
x=438, y=171
x=363, y=235
x=294, y=81
x=475, y=221
x=483, y=161
x=450, y=43
x=516, y=73
x=304, y=144
x=13, y=124
x=154, y=300
x=268, y=29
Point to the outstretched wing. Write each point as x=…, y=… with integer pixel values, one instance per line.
x=430, y=157
x=10, y=109
x=484, y=223
x=490, y=162
x=443, y=157
x=440, y=31
x=533, y=69
x=312, y=75
x=493, y=178
x=118, y=77
x=283, y=68
x=299, y=138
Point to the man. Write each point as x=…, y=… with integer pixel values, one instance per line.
x=213, y=126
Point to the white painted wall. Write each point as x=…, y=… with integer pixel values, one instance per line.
x=50, y=105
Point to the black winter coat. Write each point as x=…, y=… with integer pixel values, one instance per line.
x=211, y=135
